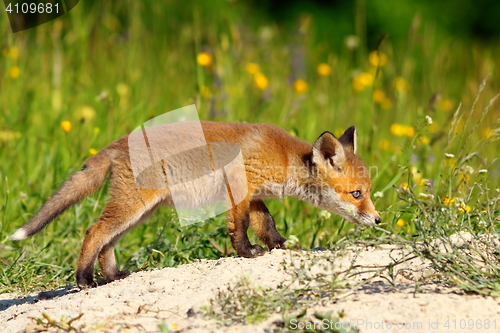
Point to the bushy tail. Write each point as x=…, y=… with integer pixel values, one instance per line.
x=77, y=187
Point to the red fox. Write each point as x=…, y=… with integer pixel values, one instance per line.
x=327, y=174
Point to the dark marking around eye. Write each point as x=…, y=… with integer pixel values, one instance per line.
x=356, y=194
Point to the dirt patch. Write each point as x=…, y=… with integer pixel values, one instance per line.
x=407, y=298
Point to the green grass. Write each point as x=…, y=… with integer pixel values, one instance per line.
x=124, y=63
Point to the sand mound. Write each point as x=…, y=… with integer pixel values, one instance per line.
x=409, y=298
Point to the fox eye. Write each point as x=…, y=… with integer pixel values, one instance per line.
x=356, y=194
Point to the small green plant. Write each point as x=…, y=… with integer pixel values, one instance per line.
x=47, y=324
x=245, y=304
x=454, y=218
x=313, y=282
x=164, y=328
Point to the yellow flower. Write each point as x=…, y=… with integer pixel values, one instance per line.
x=14, y=72
x=377, y=59
x=464, y=208
x=252, y=68
x=204, y=59
x=487, y=133
x=123, y=90
x=384, y=144
x=8, y=135
x=404, y=186
x=386, y=104
x=445, y=105
x=14, y=52
x=261, y=81
x=324, y=69
x=397, y=129
x=87, y=113
x=378, y=96
x=464, y=177
x=11, y=52
x=366, y=78
x=362, y=80
x=417, y=176
x=447, y=201
x=92, y=151
x=66, y=126
x=175, y=326
x=205, y=91
x=56, y=99
x=450, y=161
x=401, y=223
x=401, y=85
x=402, y=130
x=300, y=86
x=409, y=131
x=424, y=182
x=424, y=140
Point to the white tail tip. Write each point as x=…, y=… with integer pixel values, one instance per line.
x=20, y=234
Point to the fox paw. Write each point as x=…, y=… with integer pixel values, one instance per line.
x=121, y=275
x=86, y=284
x=85, y=278
x=277, y=245
x=118, y=275
x=252, y=251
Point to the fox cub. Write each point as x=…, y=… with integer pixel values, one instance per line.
x=327, y=174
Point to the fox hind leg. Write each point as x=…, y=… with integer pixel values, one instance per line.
x=115, y=221
x=107, y=258
x=264, y=226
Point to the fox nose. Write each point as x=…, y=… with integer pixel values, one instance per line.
x=378, y=220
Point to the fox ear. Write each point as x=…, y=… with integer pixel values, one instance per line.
x=348, y=139
x=327, y=149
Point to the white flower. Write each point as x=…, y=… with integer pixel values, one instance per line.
x=325, y=214
x=428, y=119
x=483, y=171
x=351, y=209
x=469, y=169
x=352, y=42
x=292, y=242
x=426, y=196
x=378, y=194
x=102, y=96
x=449, y=155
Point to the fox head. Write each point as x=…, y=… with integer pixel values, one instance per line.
x=344, y=179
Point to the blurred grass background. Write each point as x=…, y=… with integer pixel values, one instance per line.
x=71, y=86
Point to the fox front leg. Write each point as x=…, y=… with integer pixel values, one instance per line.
x=263, y=223
x=237, y=223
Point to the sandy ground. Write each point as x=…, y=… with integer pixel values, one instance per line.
x=173, y=297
